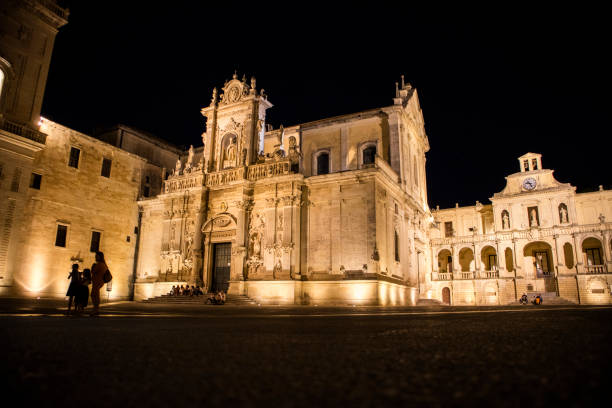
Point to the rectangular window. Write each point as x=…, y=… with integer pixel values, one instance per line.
x=106, y=167
x=448, y=229
x=75, y=154
x=534, y=164
x=61, y=235
x=16, y=180
x=95, y=241
x=35, y=180
x=526, y=165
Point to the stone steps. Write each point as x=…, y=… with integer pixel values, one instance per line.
x=234, y=300
x=548, y=298
x=429, y=302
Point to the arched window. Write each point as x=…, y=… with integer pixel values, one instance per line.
x=563, y=214
x=396, y=246
x=323, y=163
x=369, y=155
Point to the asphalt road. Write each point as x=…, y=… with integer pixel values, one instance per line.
x=151, y=355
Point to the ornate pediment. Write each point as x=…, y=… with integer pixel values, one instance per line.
x=234, y=90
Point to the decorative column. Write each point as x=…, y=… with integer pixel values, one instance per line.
x=239, y=250
x=270, y=234
x=291, y=236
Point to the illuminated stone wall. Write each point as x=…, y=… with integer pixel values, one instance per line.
x=84, y=201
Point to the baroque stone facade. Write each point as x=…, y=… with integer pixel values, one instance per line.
x=315, y=213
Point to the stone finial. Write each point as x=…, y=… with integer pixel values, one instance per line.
x=601, y=188
x=403, y=82
x=253, y=83
x=235, y=74
x=396, y=90
x=214, y=96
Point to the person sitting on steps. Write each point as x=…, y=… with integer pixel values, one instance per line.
x=524, y=299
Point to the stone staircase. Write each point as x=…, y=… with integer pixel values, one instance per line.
x=548, y=298
x=429, y=302
x=231, y=300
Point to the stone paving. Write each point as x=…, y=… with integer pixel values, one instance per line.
x=158, y=355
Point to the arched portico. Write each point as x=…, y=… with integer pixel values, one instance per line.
x=445, y=261
x=488, y=256
x=593, y=255
x=466, y=261
x=538, y=259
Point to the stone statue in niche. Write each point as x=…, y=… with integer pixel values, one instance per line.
x=534, y=219
x=563, y=214
x=177, y=168
x=278, y=268
x=230, y=154
x=505, y=220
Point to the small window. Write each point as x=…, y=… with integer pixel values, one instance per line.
x=75, y=154
x=35, y=180
x=106, y=167
x=526, y=164
x=323, y=163
x=534, y=164
x=448, y=229
x=369, y=155
x=95, y=241
x=60, y=236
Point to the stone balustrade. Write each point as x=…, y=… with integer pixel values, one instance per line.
x=183, y=182
x=595, y=269
x=225, y=177
x=531, y=234
x=271, y=169
x=23, y=131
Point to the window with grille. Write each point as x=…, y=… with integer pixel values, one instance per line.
x=75, y=154
x=94, y=246
x=61, y=235
x=106, y=167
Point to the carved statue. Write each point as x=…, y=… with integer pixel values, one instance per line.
x=563, y=214
x=534, y=220
x=189, y=158
x=177, y=168
x=278, y=268
x=505, y=220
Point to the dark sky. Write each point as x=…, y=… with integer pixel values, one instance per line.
x=491, y=87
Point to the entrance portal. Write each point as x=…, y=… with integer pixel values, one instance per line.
x=446, y=296
x=221, y=267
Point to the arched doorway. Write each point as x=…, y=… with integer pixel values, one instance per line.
x=446, y=298
x=539, y=264
x=488, y=256
x=445, y=262
x=466, y=260
x=592, y=253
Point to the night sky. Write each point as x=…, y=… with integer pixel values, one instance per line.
x=491, y=88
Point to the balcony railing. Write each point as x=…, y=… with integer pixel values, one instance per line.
x=466, y=275
x=595, y=269
x=489, y=274
x=260, y=171
x=443, y=276
x=23, y=131
x=224, y=177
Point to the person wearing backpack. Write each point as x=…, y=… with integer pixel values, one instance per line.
x=99, y=276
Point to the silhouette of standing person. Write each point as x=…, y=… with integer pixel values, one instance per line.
x=97, y=281
x=74, y=286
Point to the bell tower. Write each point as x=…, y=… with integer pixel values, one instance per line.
x=235, y=125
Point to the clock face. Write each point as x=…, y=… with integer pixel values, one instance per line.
x=529, y=183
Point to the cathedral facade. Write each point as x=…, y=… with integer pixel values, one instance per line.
x=326, y=212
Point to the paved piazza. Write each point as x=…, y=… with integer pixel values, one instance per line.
x=161, y=355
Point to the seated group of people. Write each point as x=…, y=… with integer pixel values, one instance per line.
x=185, y=290
x=217, y=298
x=537, y=300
